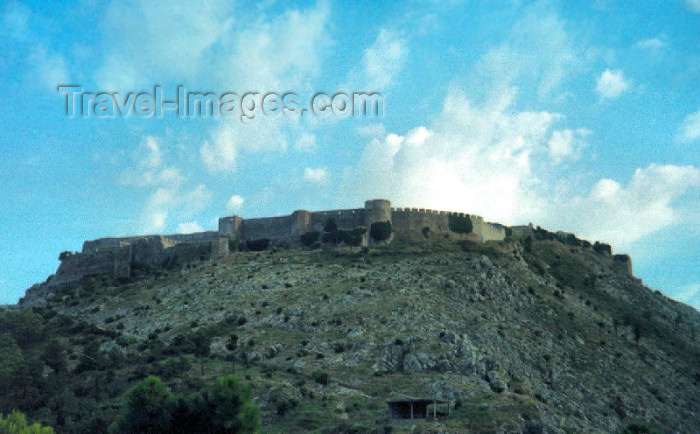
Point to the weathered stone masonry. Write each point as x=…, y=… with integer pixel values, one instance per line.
x=119, y=257
x=403, y=220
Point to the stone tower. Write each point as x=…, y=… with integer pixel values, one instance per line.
x=230, y=227
x=301, y=222
x=377, y=210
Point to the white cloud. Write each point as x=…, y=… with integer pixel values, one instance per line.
x=19, y=24
x=169, y=196
x=166, y=201
x=154, y=154
x=150, y=171
x=191, y=202
x=651, y=44
x=483, y=155
x=611, y=84
x=693, y=5
x=538, y=54
x=50, y=67
x=305, y=142
x=623, y=214
x=567, y=144
x=155, y=213
x=154, y=221
x=690, y=129
x=485, y=161
x=371, y=130
x=381, y=62
x=418, y=136
x=147, y=43
x=281, y=54
x=689, y=294
x=220, y=154
x=473, y=158
x=207, y=44
x=170, y=176
x=319, y=175
x=15, y=19
x=189, y=228
x=235, y=202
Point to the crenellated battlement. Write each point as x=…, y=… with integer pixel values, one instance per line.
x=119, y=256
x=402, y=219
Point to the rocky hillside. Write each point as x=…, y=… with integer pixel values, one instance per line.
x=538, y=336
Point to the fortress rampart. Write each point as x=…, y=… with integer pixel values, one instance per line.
x=165, y=240
x=119, y=257
x=378, y=210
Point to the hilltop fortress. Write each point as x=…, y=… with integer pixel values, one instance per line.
x=121, y=257
x=379, y=210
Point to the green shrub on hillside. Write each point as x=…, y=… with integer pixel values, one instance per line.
x=571, y=240
x=638, y=428
x=16, y=423
x=321, y=377
x=380, y=231
x=509, y=233
x=602, y=248
x=349, y=237
x=225, y=407
x=257, y=245
x=147, y=408
x=25, y=326
x=11, y=358
x=64, y=255
x=234, y=245
x=310, y=238
x=173, y=368
x=459, y=224
x=330, y=225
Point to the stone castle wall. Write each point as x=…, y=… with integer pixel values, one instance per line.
x=344, y=218
x=92, y=246
x=487, y=231
x=119, y=257
x=114, y=262
x=415, y=219
x=282, y=227
x=302, y=221
x=379, y=210
x=270, y=227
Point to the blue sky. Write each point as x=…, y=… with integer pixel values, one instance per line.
x=581, y=117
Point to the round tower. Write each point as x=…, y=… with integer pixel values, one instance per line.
x=230, y=226
x=300, y=222
x=377, y=210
